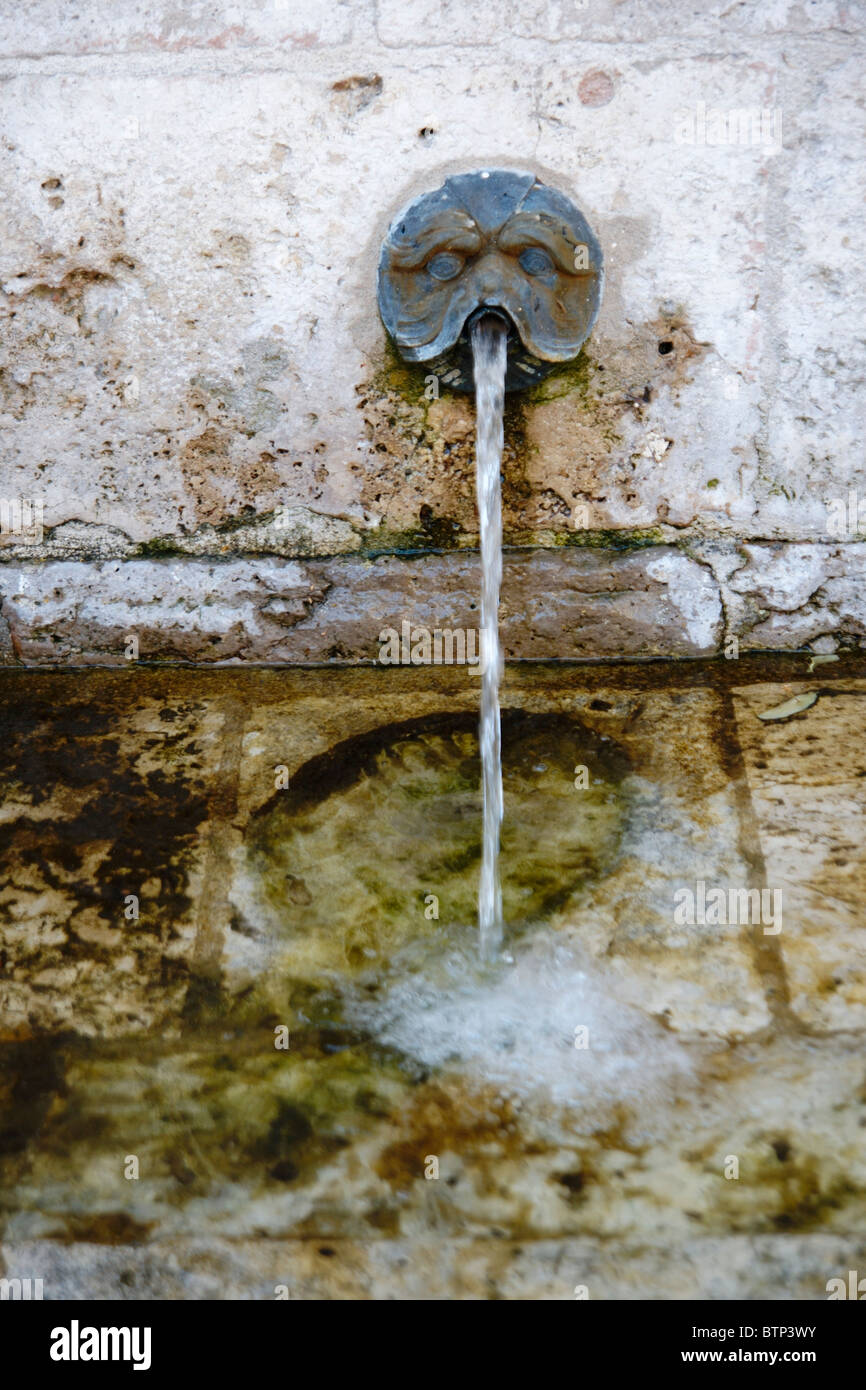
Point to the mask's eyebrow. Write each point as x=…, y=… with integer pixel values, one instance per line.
x=532, y=229
x=452, y=231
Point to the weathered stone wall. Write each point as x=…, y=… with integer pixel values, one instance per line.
x=198, y=403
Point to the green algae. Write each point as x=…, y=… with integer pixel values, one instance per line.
x=563, y=380
x=405, y=379
x=377, y=843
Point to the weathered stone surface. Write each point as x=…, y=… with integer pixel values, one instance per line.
x=786, y=596
x=50, y=28
x=607, y=1166
x=196, y=205
x=63, y=613
x=89, y=820
x=599, y=21
x=807, y=778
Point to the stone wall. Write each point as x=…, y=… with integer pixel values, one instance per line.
x=207, y=441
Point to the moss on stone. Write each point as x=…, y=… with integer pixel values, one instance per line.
x=157, y=547
x=562, y=380
x=438, y=534
x=394, y=376
x=637, y=539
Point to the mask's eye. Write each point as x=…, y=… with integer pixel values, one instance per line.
x=535, y=261
x=445, y=266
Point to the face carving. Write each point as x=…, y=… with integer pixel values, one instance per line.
x=498, y=239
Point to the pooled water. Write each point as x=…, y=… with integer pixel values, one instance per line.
x=489, y=335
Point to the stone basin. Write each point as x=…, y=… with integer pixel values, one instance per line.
x=247, y=1045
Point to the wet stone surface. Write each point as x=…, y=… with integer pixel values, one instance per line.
x=291, y=1068
x=378, y=842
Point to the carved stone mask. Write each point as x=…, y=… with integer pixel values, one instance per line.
x=491, y=240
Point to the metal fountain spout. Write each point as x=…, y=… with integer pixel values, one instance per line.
x=499, y=241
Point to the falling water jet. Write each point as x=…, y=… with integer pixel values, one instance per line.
x=489, y=335
x=488, y=282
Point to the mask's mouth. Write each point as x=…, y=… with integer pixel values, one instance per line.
x=492, y=311
x=455, y=367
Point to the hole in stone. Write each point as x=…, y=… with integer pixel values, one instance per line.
x=572, y=1182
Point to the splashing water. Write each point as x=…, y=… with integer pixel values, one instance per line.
x=489, y=335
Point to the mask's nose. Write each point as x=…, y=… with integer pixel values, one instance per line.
x=488, y=279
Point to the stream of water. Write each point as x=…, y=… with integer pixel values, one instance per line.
x=489, y=334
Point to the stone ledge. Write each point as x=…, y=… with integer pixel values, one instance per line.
x=584, y=604
x=556, y=605
x=778, y=596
